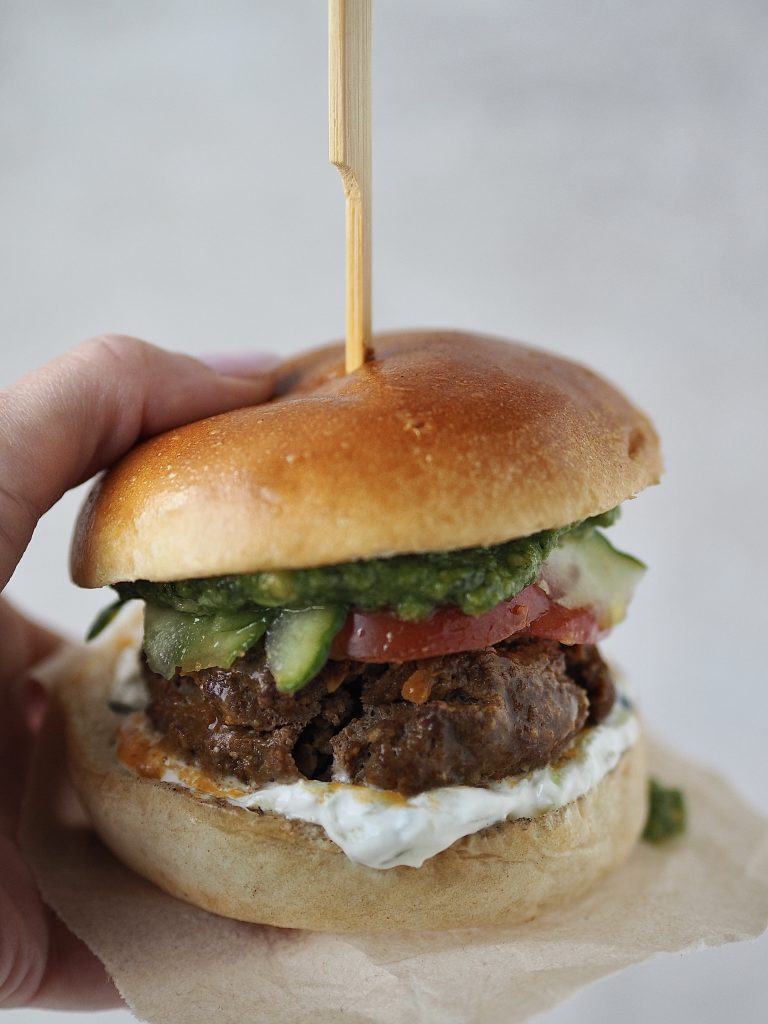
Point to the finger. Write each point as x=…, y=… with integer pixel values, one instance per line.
x=73, y=978
x=22, y=644
x=65, y=421
x=41, y=962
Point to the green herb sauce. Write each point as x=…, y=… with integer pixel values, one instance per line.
x=472, y=579
x=666, y=813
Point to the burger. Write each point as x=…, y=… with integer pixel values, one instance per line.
x=368, y=694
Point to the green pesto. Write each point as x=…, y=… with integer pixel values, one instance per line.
x=472, y=579
x=666, y=813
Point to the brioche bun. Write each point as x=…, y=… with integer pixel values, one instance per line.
x=444, y=440
x=271, y=870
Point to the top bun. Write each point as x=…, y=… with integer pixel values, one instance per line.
x=443, y=440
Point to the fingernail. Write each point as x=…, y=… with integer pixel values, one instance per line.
x=241, y=364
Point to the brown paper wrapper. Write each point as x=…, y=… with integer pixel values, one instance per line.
x=175, y=964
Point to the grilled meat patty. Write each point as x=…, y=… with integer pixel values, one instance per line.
x=459, y=719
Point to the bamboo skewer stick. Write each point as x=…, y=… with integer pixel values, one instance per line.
x=349, y=96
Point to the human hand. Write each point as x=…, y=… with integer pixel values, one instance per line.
x=59, y=426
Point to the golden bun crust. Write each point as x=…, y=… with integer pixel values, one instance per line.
x=444, y=440
x=266, y=869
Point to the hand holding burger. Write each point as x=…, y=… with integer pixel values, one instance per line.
x=58, y=426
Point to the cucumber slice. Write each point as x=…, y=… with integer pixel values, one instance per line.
x=587, y=571
x=298, y=642
x=180, y=641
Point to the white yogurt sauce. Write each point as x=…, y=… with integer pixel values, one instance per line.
x=380, y=831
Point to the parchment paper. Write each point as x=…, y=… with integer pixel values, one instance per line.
x=175, y=964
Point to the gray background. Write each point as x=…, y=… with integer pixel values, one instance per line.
x=585, y=175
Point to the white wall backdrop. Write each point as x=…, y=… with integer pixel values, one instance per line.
x=587, y=176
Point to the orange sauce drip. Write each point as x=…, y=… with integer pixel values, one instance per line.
x=417, y=687
x=145, y=755
x=334, y=674
x=140, y=753
x=366, y=793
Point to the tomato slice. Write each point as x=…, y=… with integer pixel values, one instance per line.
x=380, y=636
x=568, y=625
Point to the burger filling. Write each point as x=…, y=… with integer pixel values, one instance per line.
x=460, y=719
x=406, y=674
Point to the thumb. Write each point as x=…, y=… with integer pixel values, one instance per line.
x=64, y=422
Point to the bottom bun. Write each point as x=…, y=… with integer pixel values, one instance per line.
x=267, y=869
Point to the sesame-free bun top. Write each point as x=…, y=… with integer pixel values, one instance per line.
x=443, y=440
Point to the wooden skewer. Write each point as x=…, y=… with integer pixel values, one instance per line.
x=349, y=96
